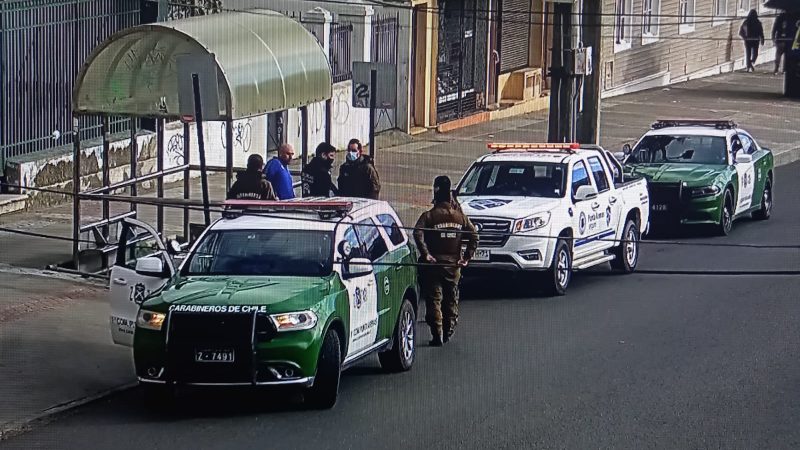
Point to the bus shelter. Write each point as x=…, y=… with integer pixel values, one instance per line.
x=264, y=62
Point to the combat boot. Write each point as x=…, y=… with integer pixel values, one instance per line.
x=448, y=335
x=437, y=339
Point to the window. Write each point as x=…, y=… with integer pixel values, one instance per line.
x=720, y=12
x=528, y=179
x=744, y=7
x=650, y=12
x=374, y=247
x=392, y=229
x=580, y=177
x=678, y=149
x=623, y=29
x=139, y=243
x=748, y=144
x=599, y=174
x=686, y=13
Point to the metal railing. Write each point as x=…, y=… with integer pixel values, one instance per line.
x=384, y=39
x=340, y=52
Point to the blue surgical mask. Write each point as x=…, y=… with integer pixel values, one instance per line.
x=352, y=156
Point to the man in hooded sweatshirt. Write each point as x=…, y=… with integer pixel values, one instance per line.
x=752, y=32
x=316, y=176
x=251, y=183
x=358, y=176
x=438, y=234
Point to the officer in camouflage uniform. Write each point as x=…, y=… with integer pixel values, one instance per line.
x=438, y=234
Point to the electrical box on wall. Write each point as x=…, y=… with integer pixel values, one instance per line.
x=582, y=63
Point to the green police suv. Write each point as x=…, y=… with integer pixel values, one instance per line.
x=702, y=172
x=279, y=293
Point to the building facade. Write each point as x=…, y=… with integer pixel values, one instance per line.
x=650, y=43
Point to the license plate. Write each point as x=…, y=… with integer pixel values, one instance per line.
x=657, y=207
x=225, y=356
x=482, y=255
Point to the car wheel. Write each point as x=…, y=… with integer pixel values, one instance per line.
x=401, y=357
x=726, y=217
x=626, y=254
x=765, y=211
x=158, y=396
x=325, y=391
x=557, y=278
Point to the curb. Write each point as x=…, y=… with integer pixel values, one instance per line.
x=16, y=428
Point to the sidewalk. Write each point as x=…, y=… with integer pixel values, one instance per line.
x=54, y=341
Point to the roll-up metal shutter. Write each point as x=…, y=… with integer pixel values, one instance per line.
x=515, y=29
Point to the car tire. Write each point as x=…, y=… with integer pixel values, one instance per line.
x=556, y=279
x=401, y=356
x=325, y=390
x=726, y=215
x=158, y=396
x=765, y=211
x=626, y=254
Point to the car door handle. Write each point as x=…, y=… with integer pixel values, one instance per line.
x=119, y=281
x=612, y=200
x=595, y=205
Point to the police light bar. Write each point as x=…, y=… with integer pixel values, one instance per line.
x=320, y=206
x=551, y=146
x=724, y=124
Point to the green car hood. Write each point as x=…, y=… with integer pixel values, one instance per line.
x=279, y=294
x=693, y=174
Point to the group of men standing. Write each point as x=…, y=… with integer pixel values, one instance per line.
x=357, y=176
x=439, y=233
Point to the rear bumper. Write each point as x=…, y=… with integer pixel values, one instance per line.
x=301, y=382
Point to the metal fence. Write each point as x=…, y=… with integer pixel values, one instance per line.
x=43, y=44
x=340, y=52
x=384, y=39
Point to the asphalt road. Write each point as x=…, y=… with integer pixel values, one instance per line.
x=640, y=361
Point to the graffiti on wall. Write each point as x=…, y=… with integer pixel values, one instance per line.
x=242, y=135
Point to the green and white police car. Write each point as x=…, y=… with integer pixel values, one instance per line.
x=275, y=293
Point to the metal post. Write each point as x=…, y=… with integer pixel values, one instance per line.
x=134, y=160
x=373, y=83
x=198, y=113
x=159, y=168
x=304, y=136
x=328, y=120
x=76, y=190
x=187, y=174
x=104, y=129
x=228, y=154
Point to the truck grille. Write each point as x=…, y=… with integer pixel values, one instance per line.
x=189, y=333
x=492, y=232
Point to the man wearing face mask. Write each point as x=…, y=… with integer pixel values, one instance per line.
x=357, y=176
x=316, y=177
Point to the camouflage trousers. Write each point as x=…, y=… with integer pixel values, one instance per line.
x=440, y=291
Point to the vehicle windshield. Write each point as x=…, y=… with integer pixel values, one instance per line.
x=263, y=252
x=512, y=178
x=680, y=149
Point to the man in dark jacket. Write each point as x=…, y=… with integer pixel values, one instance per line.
x=783, y=31
x=438, y=234
x=752, y=32
x=316, y=177
x=251, y=183
x=357, y=176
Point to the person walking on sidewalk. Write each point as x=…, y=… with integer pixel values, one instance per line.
x=752, y=33
x=358, y=176
x=438, y=234
x=251, y=183
x=782, y=35
x=277, y=172
x=316, y=176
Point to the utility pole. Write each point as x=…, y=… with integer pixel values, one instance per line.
x=589, y=118
x=561, y=105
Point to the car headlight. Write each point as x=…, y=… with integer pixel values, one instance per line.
x=150, y=320
x=294, y=321
x=705, y=191
x=531, y=223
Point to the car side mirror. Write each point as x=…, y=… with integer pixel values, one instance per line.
x=626, y=149
x=585, y=192
x=150, y=266
x=620, y=156
x=744, y=158
x=358, y=267
x=174, y=247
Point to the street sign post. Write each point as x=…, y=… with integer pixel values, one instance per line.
x=374, y=86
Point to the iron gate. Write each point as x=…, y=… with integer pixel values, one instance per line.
x=43, y=44
x=462, y=64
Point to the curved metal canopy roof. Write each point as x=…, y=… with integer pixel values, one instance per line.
x=265, y=62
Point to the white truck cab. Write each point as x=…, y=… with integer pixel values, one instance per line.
x=553, y=208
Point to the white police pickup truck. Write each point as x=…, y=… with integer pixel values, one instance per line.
x=553, y=208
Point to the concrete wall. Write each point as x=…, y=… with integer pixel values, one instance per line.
x=675, y=55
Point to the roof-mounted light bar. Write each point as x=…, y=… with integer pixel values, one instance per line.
x=570, y=147
x=341, y=207
x=725, y=124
